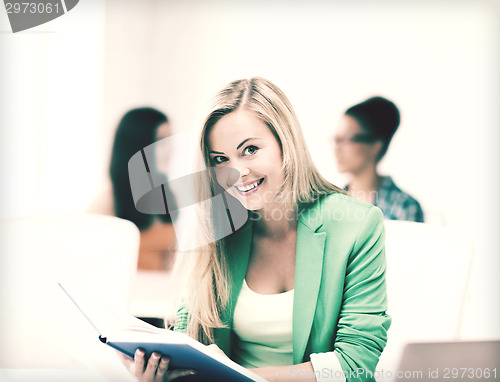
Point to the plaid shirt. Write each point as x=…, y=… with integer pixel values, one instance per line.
x=396, y=204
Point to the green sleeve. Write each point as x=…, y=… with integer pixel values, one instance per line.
x=181, y=319
x=363, y=322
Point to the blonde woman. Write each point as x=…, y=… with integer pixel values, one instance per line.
x=299, y=291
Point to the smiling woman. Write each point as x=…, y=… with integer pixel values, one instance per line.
x=300, y=287
x=243, y=142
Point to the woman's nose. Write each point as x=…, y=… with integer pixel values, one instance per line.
x=241, y=166
x=232, y=175
x=243, y=173
x=337, y=149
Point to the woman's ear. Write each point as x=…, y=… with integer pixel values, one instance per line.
x=376, y=148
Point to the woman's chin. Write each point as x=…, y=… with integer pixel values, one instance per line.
x=251, y=206
x=342, y=169
x=250, y=202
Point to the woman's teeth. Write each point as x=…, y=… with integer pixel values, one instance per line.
x=250, y=186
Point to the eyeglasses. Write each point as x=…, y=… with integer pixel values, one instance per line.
x=356, y=138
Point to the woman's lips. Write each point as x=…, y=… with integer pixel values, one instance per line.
x=249, y=187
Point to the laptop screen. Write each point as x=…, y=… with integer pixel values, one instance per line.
x=450, y=361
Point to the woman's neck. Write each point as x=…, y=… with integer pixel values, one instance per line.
x=364, y=184
x=275, y=222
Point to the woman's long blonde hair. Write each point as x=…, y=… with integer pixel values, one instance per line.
x=206, y=289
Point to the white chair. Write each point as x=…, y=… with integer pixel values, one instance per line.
x=428, y=271
x=39, y=326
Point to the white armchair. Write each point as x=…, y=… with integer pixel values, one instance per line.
x=428, y=272
x=39, y=326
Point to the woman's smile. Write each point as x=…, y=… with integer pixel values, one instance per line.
x=249, y=187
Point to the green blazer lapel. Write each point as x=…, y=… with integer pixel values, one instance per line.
x=308, y=268
x=239, y=246
x=238, y=250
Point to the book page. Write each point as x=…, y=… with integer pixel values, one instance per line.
x=104, y=319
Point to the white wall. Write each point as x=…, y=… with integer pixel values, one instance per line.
x=51, y=113
x=438, y=61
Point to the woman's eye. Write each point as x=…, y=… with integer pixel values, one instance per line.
x=219, y=159
x=250, y=150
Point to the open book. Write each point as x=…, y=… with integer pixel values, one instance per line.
x=126, y=334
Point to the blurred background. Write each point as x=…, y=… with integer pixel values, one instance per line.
x=66, y=84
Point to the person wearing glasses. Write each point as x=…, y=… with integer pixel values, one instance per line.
x=360, y=142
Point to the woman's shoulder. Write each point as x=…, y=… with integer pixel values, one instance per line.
x=344, y=203
x=103, y=203
x=342, y=200
x=339, y=209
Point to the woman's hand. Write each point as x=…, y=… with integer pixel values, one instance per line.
x=155, y=370
x=214, y=348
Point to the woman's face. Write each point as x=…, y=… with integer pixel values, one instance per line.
x=163, y=131
x=243, y=142
x=163, y=147
x=353, y=157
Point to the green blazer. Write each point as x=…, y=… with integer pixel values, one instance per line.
x=340, y=299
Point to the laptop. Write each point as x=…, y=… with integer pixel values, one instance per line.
x=460, y=361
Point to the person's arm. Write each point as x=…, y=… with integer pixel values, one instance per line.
x=363, y=322
x=302, y=372
x=412, y=211
x=181, y=319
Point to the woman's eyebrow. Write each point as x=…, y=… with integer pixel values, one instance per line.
x=246, y=140
x=237, y=148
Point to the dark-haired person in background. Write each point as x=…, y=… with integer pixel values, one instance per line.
x=361, y=141
x=138, y=129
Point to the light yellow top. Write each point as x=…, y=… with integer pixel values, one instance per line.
x=263, y=325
